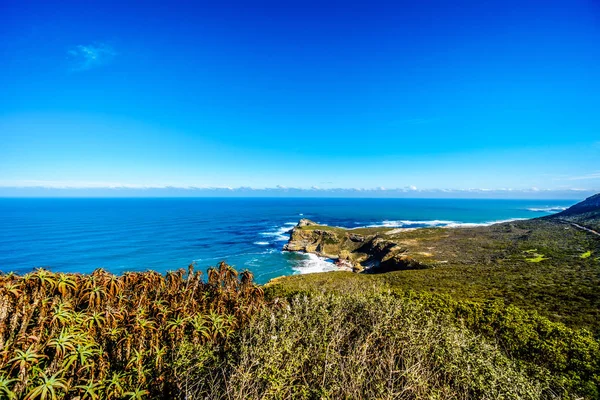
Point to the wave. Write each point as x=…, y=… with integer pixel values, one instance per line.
x=549, y=209
x=280, y=234
x=475, y=224
x=313, y=263
x=401, y=223
x=253, y=262
x=234, y=256
x=438, y=223
x=262, y=243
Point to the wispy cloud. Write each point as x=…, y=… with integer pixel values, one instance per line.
x=593, y=175
x=75, y=184
x=84, y=57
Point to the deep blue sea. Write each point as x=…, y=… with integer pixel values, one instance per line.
x=79, y=235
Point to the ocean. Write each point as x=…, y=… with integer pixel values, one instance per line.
x=162, y=234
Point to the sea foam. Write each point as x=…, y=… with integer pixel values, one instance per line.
x=280, y=234
x=548, y=209
x=313, y=263
x=437, y=223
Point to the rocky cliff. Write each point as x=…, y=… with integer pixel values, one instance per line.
x=362, y=250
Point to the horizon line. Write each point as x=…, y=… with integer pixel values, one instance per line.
x=281, y=188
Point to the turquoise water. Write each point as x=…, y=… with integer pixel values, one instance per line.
x=79, y=235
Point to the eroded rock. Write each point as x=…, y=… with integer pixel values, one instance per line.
x=351, y=250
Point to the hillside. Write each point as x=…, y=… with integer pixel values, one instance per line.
x=178, y=336
x=504, y=282
x=545, y=264
x=585, y=213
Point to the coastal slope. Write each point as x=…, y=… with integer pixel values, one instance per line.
x=549, y=264
x=585, y=213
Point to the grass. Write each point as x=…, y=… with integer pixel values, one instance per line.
x=342, y=231
x=587, y=254
x=536, y=258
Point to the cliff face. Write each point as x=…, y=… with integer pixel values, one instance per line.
x=324, y=241
x=321, y=242
x=361, y=251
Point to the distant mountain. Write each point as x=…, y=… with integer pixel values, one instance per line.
x=585, y=213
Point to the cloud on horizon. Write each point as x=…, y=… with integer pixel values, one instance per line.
x=105, y=189
x=85, y=57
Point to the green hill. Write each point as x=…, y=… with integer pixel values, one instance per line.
x=548, y=264
x=585, y=213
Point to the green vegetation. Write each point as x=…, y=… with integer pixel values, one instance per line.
x=533, y=264
x=587, y=254
x=102, y=336
x=331, y=335
x=327, y=346
x=585, y=213
x=556, y=360
x=535, y=257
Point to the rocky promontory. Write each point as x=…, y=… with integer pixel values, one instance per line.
x=361, y=249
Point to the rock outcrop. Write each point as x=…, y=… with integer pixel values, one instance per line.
x=322, y=242
x=360, y=252
x=306, y=222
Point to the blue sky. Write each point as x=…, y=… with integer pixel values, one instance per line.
x=420, y=95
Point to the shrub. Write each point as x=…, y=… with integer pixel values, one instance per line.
x=373, y=346
x=110, y=337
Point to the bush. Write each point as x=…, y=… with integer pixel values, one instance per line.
x=103, y=336
x=373, y=346
x=567, y=359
